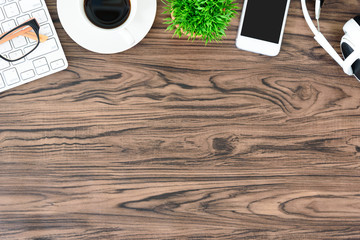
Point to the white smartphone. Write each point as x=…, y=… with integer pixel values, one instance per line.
x=262, y=26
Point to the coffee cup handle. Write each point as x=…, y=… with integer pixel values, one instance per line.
x=129, y=38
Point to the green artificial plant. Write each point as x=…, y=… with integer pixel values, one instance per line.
x=206, y=19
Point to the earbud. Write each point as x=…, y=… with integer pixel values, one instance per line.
x=352, y=29
x=350, y=47
x=318, y=6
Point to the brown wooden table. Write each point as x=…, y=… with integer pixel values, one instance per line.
x=174, y=140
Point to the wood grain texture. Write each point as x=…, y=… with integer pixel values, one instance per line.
x=174, y=140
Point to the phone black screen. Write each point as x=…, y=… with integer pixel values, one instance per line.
x=263, y=19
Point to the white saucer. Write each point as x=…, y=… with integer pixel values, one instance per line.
x=109, y=41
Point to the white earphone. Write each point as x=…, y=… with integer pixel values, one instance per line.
x=350, y=42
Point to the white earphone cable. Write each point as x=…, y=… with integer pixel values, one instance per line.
x=319, y=37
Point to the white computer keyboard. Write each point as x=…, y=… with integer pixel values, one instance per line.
x=47, y=58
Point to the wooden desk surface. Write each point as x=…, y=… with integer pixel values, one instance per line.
x=174, y=140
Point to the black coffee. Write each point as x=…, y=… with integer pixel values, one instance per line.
x=107, y=13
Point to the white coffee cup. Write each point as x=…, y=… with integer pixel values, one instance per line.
x=122, y=30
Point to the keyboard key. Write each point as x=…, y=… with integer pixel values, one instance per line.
x=5, y=47
x=42, y=69
x=28, y=5
x=4, y=64
x=57, y=64
x=40, y=16
x=46, y=30
x=2, y=17
x=23, y=19
x=19, y=42
x=8, y=25
x=44, y=48
x=28, y=74
x=15, y=55
x=11, y=76
x=11, y=10
x=2, y=84
x=40, y=62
